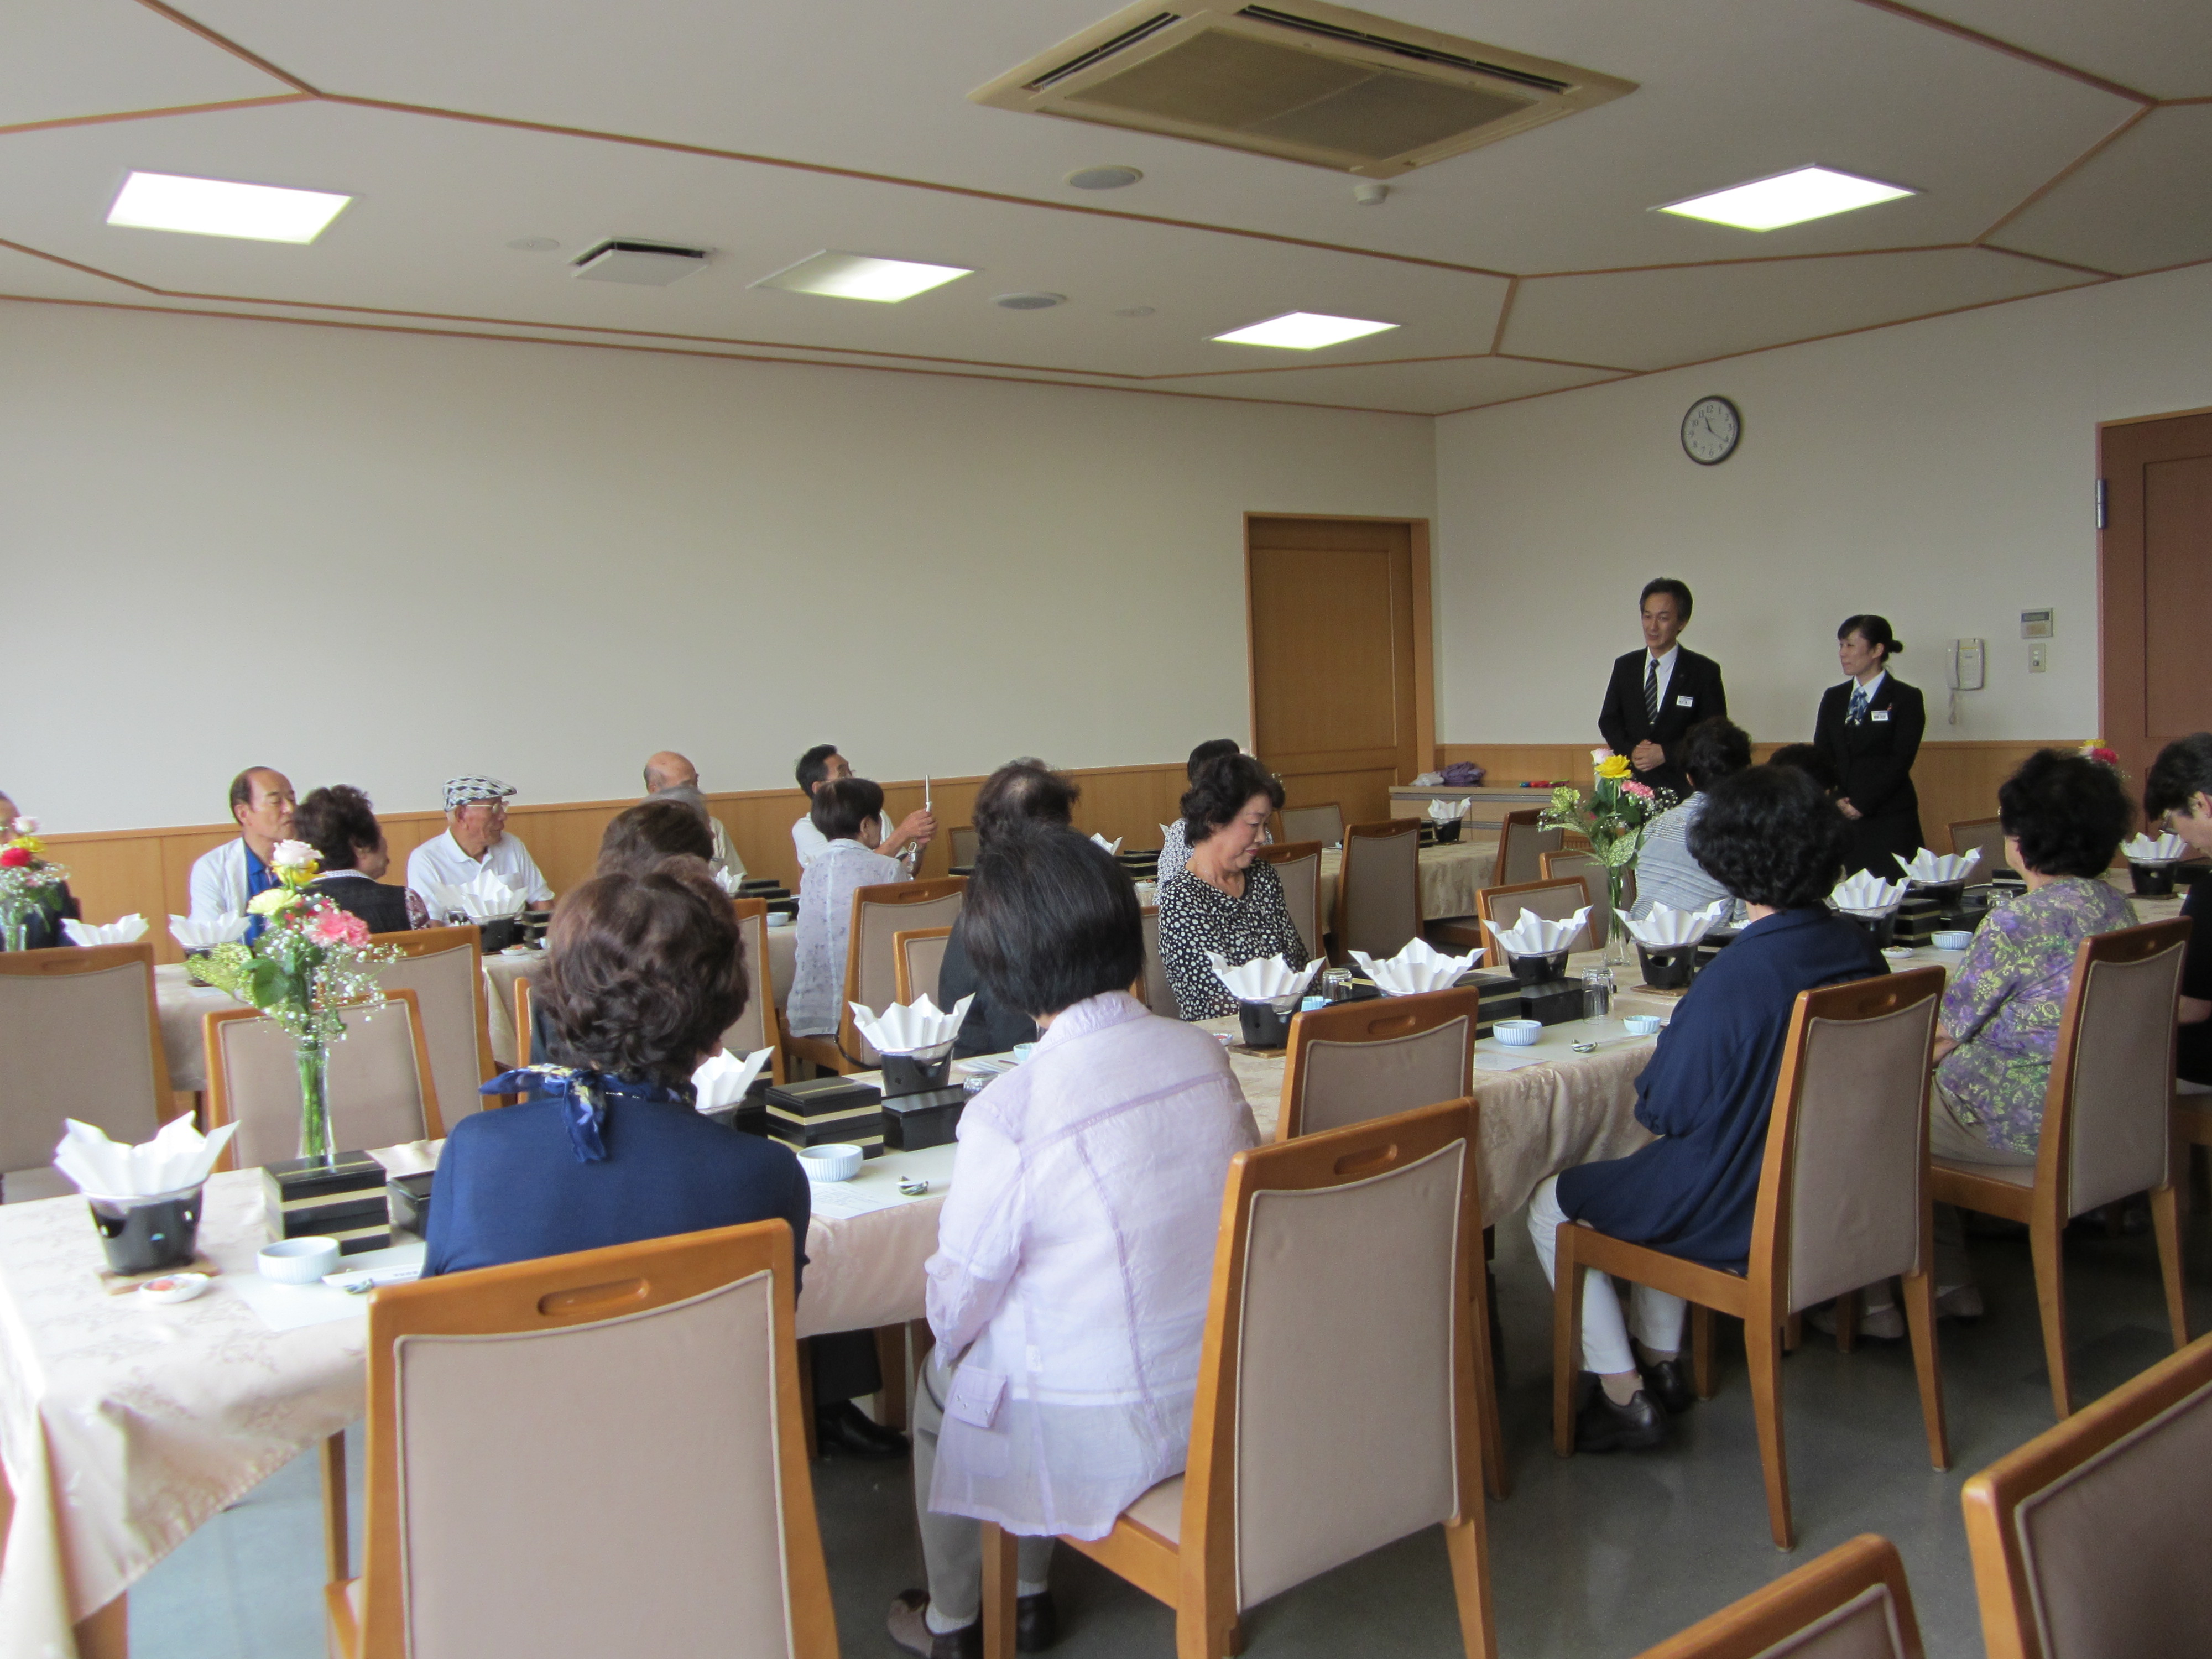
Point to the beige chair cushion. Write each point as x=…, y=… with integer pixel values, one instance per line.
x=750, y=1032
x=1161, y=1510
x=603, y=1489
x=2123, y=1080
x=447, y=985
x=1865, y=1627
x=1159, y=995
x=376, y=1094
x=1521, y=849
x=925, y=959
x=1382, y=878
x=1301, y=879
x=1553, y=904
x=1345, y=1422
x=1348, y=1083
x=2118, y=1550
x=871, y=945
x=74, y=1045
x=1323, y=824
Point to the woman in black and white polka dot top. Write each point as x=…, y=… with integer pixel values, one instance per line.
x=1221, y=900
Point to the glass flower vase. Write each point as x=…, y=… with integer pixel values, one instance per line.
x=315, y=1060
x=1616, y=898
x=14, y=927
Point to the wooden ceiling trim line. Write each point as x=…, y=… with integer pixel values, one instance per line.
x=2046, y=259
x=2068, y=171
x=72, y=265
x=1554, y=392
x=157, y=114
x=1567, y=363
x=193, y=26
x=1504, y=311
x=1960, y=31
x=1749, y=259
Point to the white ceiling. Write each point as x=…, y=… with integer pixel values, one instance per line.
x=2054, y=142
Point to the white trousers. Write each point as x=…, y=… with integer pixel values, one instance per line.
x=1655, y=1316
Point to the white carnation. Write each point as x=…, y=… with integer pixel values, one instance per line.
x=294, y=855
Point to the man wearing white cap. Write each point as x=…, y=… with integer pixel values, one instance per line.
x=475, y=840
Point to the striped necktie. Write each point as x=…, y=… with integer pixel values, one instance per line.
x=1651, y=691
x=1858, y=716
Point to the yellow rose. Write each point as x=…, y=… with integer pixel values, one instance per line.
x=31, y=844
x=1613, y=766
x=275, y=901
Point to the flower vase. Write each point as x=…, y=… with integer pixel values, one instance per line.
x=15, y=928
x=315, y=1059
x=1616, y=935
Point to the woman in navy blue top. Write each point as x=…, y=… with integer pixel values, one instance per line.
x=1773, y=840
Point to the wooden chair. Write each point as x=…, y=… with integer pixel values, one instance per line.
x=2108, y=1123
x=2192, y=1127
x=1298, y=866
x=2089, y=1540
x=444, y=967
x=1153, y=989
x=1323, y=824
x=880, y=913
x=1554, y=900
x=1340, y=1296
x=382, y=1091
x=683, y=1518
x=1843, y=1202
x=80, y=1037
x=1522, y=844
x=1571, y=862
x=1852, y=1603
x=757, y=1027
x=1378, y=889
x=917, y=955
x=525, y=1031
x=964, y=845
x=1987, y=833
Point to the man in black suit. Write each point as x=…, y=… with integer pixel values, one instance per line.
x=1659, y=693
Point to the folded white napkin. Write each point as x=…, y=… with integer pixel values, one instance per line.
x=1866, y=895
x=1932, y=869
x=1428, y=779
x=728, y=880
x=197, y=935
x=483, y=897
x=1449, y=812
x=2167, y=850
x=910, y=1028
x=723, y=1079
x=1533, y=936
x=173, y=1161
x=1113, y=848
x=1669, y=929
x=1265, y=980
x=1420, y=967
x=129, y=931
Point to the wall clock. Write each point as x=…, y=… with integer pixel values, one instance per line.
x=1711, y=430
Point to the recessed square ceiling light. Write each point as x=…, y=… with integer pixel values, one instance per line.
x=216, y=207
x=1304, y=331
x=1787, y=199
x=861, y=276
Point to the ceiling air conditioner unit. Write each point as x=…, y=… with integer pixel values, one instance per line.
x=1305, y=82
x=653, y=264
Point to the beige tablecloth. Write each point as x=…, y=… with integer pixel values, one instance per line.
x=1450, y=876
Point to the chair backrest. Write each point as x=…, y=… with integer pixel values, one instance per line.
x=880, y=914
x=755, y=1027
x=2105, y=1126
x=1378, y=890
x=1843, y=1195
x=1852, y=1603
x=1522, y=844
x=2089, y=1542
x=1356, y=1061
x=1576, y=861
x=382, y=1091
x=918, y=954
x=1158, y=995
x=444, y=968
x=80, y=1037
x=1298, y=865
x=1555, y=901
x=523, y=1028
x=1987, y=833
x=495, y=1528
x=964, y=843
x=1323, y=824
x=1340, y=1296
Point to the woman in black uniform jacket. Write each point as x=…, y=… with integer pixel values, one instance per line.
x=1869, y=727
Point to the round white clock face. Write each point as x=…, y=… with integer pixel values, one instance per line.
x=1710, y=430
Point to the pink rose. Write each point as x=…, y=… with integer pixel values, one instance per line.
x=15, y=857
x=337, y=926
x=1641, y=791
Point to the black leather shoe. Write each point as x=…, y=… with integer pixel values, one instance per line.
x=1602, y=1426
x=911, y=1629
x=1668, y=1382
x=1036, y=1623
x=844, y=1430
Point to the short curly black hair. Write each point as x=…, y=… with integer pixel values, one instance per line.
x=2182, y=771
x=1024, y=790
x=1211, y=750
x=2068, y=813
x=1220, y=792
x=1812, y=762
x=644, y=973
x=1714, y=749
x=650, y=832
x=1772, y=837
x=1050, y=920
x=335, y=821
x=842, y=807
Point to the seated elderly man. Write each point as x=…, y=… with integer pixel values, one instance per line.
x=261, y=801
x=823, y=764
x=475, y=840
x=669, y=776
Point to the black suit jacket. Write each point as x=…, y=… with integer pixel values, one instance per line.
x=1874, y=760
x=1694, y=693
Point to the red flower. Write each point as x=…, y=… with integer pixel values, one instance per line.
x=15, y=857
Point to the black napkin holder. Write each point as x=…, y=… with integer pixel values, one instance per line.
x=2151, y=880
x=497, y=933
x=1264, y=1025
x=827, y=1111
x=913, y=1121
x=1499, y=998
x=1882, y=930
x=144, y=1239
x=1553, y=1003
x=1448, y=833
x=407, y=1198
x=913, y=1074
x=342, y=1199
x=748, y=1113
x=1540, y=970
x=1670, y=969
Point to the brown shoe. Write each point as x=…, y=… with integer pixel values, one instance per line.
x=911, y=1629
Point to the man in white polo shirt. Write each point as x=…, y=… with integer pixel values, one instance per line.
x=823, y=764
x=475, y=840
x=223, y=880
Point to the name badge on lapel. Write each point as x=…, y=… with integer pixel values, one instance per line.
x=1686, y=702
x=1878, y=715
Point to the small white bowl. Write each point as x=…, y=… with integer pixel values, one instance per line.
x=1642, y=1024
x=176, y=1288
x=833, y=1163
x=299, y=1261
x=1516, y=1033
x=1022, y=1051
x=1951, y=939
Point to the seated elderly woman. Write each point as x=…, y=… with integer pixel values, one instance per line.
x=1075, y=1252
x=848, y=811
x=652, y=832
x=1771, y=838
x=1020, y=792
x=1221, y=900
x=1665, y=872
x=643, y=975
x=1174, y=845
x=2177, y=798
x=340, y=824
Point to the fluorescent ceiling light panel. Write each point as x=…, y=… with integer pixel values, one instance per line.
x=216, y=207
x=861, y=276
x=1304, y=331
x=1787, y=199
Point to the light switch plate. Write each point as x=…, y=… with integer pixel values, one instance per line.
x=2035, y=659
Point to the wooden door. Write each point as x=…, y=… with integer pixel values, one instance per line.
x=1342, y=697
x=2155, y=570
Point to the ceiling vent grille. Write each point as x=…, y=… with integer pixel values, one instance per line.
x=1321, y=84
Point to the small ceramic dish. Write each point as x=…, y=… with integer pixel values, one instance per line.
x=1022, y=1051
x=1951, y=939
x=299, y=1261
x=1516, y=1033
x=831, y=1162
x=1643, y=1024
x=1897, y=952
x=173, y=1287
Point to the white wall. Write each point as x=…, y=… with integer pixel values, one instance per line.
x=384, y=559
x=1939, y=473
